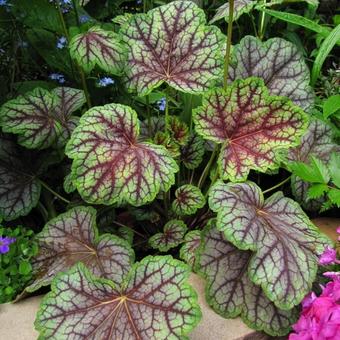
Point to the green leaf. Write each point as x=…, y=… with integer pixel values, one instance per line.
x=285, y=242
x=41, y=118
x=324, y=50
x=317, y=190
x=252, y=126
x=279, y=63
x=192, y=153
x=188, y=200
x=172, y=44
x=72, y=237
x=230, y=292
x=334, y=168
x=334, y=196
x=188, y=251
x=240, y=7
x=110, y=165
x=172, y=236
x=25, y=268
x=331, y=105
x=297, y=20
x=19, y=185
x=98, y=47
x=154, y=302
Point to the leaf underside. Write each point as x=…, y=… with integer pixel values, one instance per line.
x=279, y=63
x=155, y=303
x=110, y=165
x=252, y=127
x=72, y=237
x=189, y=199
x=229, y=290
x=285, y=242
x=172, y=44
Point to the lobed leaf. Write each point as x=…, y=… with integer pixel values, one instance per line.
x=230, y=292
x=172, y=236
x=110, y=165
x=285, y=242
x=154, y=303
x=188, y=251
x=192, y=153
x=252, y=127
x=98, y=47
x=19, y=186
x=189, y=199
x=279, y=63
x=40, y=117
x=72, y=237
x=172, y=44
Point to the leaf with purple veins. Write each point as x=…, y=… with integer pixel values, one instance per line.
x=189, y=199
x=192, y=153
x=172, y=44
x=188, y=251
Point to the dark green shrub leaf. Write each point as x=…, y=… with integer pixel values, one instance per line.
x=154, y=302
x=41, y=117
x=188, y=199
x=285, y=242
x=229, y=290
x=172, y=236
x=19, y=186
x=172, y=44
x=72, y=237
x=279, y=63
x=98, y=47
x=110, y=165
x=252, y=126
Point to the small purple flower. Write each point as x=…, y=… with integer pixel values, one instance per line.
x=105, y=81
x=84, y=18
x=61, y=42
x=162, y=104
x=338, y=231
x=4, y=244
x=57, y=77
x=328, y=257
x=139, y=2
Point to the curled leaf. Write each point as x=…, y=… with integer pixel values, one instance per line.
x=110, y=165
x=98, y=47
x=230, y=292
x=72, y=237
x=172, y=44
x=279, y=63
x=172, y=236
x=285, y=242
x=188, y=199
x=155, y=302
x=252, y=126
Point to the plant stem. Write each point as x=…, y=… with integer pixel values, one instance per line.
x=47, y=187
x=262, y=22
x=76, y=12
x=166, y=110
x=207, y=168
x=277, y=185
x=149, y=114
x=228, y=47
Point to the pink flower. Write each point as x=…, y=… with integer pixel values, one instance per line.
x=338, y=231
x=328, y=257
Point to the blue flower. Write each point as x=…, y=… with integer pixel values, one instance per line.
x=3, y=3
x=61, y=42
x=162, y=104
x=105, y=81
x=4, y=244
x=84, y=18
x=57, y=77
x=139, y=2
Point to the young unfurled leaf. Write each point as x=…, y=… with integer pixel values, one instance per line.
x=172, y=44
x=188, y=199
x=110, y=165
x=285, y=242
x=19, y=186
x=240, y=7
x=192, y=241
x=40, y=117
x=316, y=142
x=179, y=130
x=98, y=47
x=251, y=126
x=229, y=290
x=172, y=235
x=279, y=63
x=154, y=302
x=192, y=153
x=72, y=237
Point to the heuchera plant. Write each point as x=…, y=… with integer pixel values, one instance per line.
x=167, y=159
